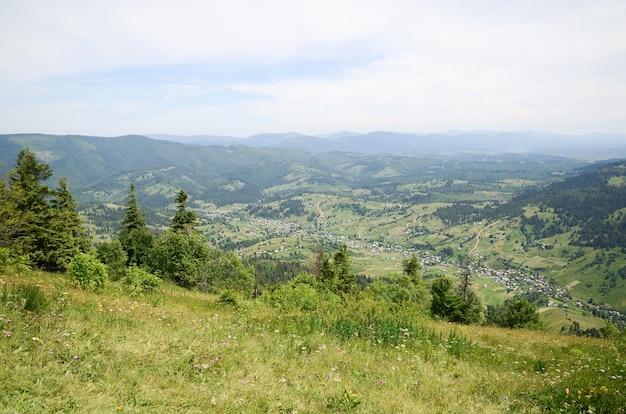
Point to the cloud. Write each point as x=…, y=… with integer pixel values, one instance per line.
x=242, y=67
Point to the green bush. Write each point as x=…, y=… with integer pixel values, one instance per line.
x=301, y=293
x=87, y=271
x=138, y=281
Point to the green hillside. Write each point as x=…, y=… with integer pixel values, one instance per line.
x=181, y=351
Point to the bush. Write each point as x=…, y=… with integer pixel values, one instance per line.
x=87, y=271
x=515, y=314
x=138, y=281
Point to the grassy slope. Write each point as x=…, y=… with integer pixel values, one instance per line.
x=182, y=351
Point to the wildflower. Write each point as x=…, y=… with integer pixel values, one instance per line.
x=567, y=391
x=75, y=357
x=7, y=334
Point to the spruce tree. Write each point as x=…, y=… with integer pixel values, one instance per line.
x=65, y=236
x=44, y=223
x=183, y=219
x=134, y=236
x=346, y=280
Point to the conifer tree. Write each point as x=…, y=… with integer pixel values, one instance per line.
x=134, y=236
x=183, y=219
x=345, y=278
x=43, y=223
x=65, y=236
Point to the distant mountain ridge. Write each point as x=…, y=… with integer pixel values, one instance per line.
x=592, y=146
x=100, y=169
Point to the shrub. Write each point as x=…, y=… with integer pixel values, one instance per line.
x=515, y=313
x=138, y=281
x=87, y=271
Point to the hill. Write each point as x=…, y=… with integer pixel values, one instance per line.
x=175, y=350
x=516, y=213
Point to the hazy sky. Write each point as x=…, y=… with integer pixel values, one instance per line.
x=241, y=67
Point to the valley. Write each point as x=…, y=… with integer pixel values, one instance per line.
x=499, y=209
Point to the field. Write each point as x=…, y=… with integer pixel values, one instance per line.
x=183, y=351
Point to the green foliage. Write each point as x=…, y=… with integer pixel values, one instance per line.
x=336, y=275
x=301, y=293
x=183, y=219
x=87, y=272
x=139, y=282
x=180, y=257
x=411, y=267
x=224, y=271
x=516, y=313
x=114, y=257
x=37, y=221
x=450, y=306
x=343, y=401
x=400, y=289
x=134, y=236
x=28, y=297
x=4, y=258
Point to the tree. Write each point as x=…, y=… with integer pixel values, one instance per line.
x=411, y=267
x=179, y=257
x=134, y=236
x=451, y=306
x=225, y=272
x=65, y=235
x=183, y=219
x=14, y=223
x=515, y=313
x=346, y=280
x=28, y=195
x=114, y=257
x=335, y=275
x=445, y=303
x=40, y=223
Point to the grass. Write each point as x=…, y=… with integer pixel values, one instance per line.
x=182, y=351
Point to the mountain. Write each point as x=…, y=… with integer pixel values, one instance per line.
x=100, y=169
x=197, y=139
x=593, y=146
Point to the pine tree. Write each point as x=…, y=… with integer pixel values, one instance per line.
x=134, y=236
x=66, y=235
x=183, y=219
x=346, y=280
x=44, y=223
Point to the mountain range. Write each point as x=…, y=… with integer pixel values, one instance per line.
x=592, y=146
x=100, y=169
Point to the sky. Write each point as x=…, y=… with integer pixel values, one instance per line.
x=242, y=67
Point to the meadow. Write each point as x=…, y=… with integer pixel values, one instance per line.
x=67, y=350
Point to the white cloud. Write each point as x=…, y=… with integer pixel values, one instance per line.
x=98, y=67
